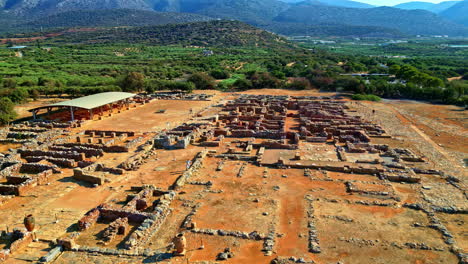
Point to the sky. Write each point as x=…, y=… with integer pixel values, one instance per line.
x=393, y=2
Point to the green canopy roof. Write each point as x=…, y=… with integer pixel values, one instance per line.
x=91, y=101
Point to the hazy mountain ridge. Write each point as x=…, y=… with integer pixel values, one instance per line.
x=115, y=17
x=342, y=3
x=407, y=21
x=435, y=8
x=47, y=7
x=457, y=13
x=298, y=17
x=99, y=18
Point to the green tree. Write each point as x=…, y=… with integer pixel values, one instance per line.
x=264, y=80
x=34, y=93
x=242, y=84
x=133, y=82
x=7, y=111
x=300, y=84
x=9, y=83
x=202, y=81
x=19, y=95
x=460, y=87
x=219, y=74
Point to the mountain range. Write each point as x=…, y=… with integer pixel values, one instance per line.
x=435, y=8
x=338, y=17
x=457, y=13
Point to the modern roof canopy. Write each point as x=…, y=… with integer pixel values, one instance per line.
x=91, y=101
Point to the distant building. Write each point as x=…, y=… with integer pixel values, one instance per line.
x=18, y=47
x=383, y=65
x=208, y=53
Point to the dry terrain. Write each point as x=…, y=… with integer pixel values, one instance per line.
x=262, y=176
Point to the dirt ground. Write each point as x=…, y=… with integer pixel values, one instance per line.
x=23, y=109
x=437, y=131
x=350, y=227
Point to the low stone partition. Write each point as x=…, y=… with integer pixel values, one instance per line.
x=9, y=168
x=430, y=172
x=120, y=218
x=136, y=160
x=140, y=201
x=63, y=163
x=403, y=154
x=21, y=185
x=346, y=167
x=152, y=224
x=37, y=168
x=102, y=133
x=401, y=176
x=89, y=219
x=55, y=154
x=316, y=139
x=238, y=234
x=116, y=171
x=89, y=152
x=87, y=176
x=341, y=154
x=275, y=144
x=113, y=214
x=133, y=144
x=15, y=141
x=96, y=173
x=172, y=142
x=353, y=188
x=197, y=163
x=118, y=227
x=51, y=125
x=22, y=135
x=313, y=241
x=28, y=129
x=21, y=238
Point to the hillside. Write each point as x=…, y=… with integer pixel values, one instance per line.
x=338, y=30
x=406, y=21
x=356, y=19
x=112, y=18
x=250, y=11
x=96, y=18
x=415, y=5
x=6, y=20
x=210, y=33
x=341, y=3
x=47, y=7
x=435, y=8
x=457, y=13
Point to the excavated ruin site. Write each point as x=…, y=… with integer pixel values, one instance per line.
x=289, y=177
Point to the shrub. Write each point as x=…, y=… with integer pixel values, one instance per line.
x=181, y=86
x=9, y=83
x=264, y=80
x=202, y=81
x=34, y=93
x=242, y=84
x=219, y=74
x=366, y=97
x=300, y=84
x=133, y=82
x=7, y=111
x=19, y=95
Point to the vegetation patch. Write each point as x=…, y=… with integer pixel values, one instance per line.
x=366, y=97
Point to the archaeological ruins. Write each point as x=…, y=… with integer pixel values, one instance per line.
x=225, y=178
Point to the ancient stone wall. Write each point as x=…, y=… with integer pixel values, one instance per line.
x=89, y=219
